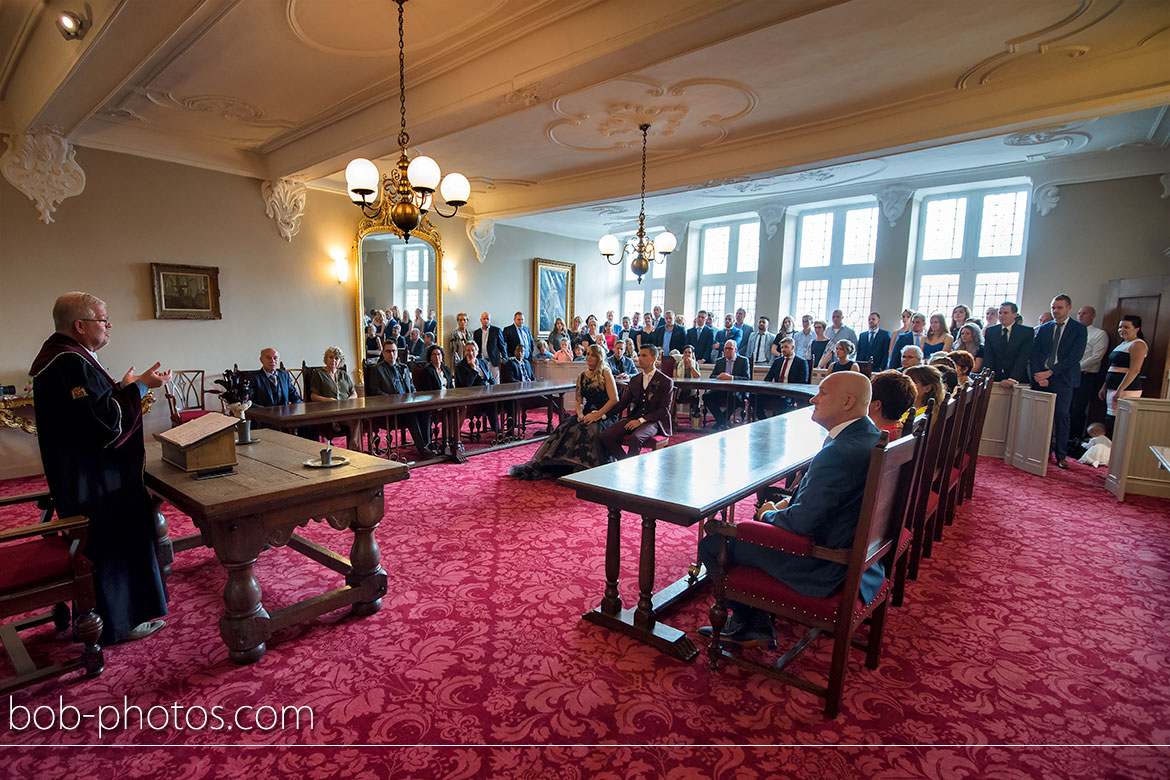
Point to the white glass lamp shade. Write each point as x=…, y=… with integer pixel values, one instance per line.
x=361, y=180
x=424, y=174
x=608, y=245
x=456, y=189
x=665, y=243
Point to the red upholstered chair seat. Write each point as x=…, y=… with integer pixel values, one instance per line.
x=931, y=503
x=193, y=414
x=956, y=476
x=757, y=583
x=904, y=540
x=31, y=562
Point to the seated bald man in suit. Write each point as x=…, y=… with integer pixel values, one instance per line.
x=273, y=385
x=826, y=506
x=647, y=399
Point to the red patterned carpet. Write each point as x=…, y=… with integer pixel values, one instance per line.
x=1042, y=620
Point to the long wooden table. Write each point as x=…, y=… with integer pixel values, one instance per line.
x=363, y=413
x=684, y=484
x=261, y=505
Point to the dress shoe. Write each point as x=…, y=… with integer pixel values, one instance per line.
x=737, y=633
x=1062, y=464
x=143, y=630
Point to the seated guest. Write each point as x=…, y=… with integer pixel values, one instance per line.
x=731, y=366
x=949, y=371
x=631, y=348
x=687, y=367
x=576, y=444
x=964, y=364
x=844, y=350
x=331, y=383
x=389, y=377
x=646, y=400
x=894, y=394
x=414, y=346
x=565, y=353
x=473, y=371
x=515, y=368
x=273, y=385
x=378, y=320
x=579, y=351
x=826, y=507
x=436, y=375
x=373, y=344
x=911, y=356
x=619, y=363
x=789, y=367
x=542, y=352
x=928, y=384
x=394, y=337
x=427, y=340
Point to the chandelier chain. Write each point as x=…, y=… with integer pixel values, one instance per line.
x=642, y=212
x=403, y=136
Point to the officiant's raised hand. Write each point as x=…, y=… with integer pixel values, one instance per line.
x=151, y=377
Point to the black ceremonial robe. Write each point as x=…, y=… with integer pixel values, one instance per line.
x=90, y=434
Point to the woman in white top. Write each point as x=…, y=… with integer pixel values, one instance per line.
x=1125, y=364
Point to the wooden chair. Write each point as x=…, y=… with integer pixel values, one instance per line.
x=954, y=484
x=659, y=441
x=932, y=520
x=925, y=499
x=884, y=506
x=41, y=566
x=186, y=396
x=920, y=429
x=865, y=367
x=298, y=376
x=971, y=459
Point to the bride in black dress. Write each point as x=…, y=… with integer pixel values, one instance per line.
x=574, y=445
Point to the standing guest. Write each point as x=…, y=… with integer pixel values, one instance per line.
x=89, y=429
x=915, y=336
x=414, y=346
x=938, y=338
x=820, y=344
x=729, y=367
x=624, y=329
x=874, y=344
x=906, y=327
x=1055, y=366
x=432, y=324
x=576, y=442
x=803, y=338
x=565, y=353
x=332, y=383
x=542, y=352
x=461, y=337
x=928, y=384
x=608, y=337
x=490, y=342
x=970, y=339
x=619, y=363
x=839, y=331
x=844, y=350
x=826, y=507
x=959, y=317
x=389, y=377
x=419, y=322
x=787, y=330
x=990, y=317
x=658, y=320
x=273, y=385
x=394, y=337
x=407, y=322
x=681, y=321
x=911, y=356
x=759, y=343
x=1124, y=378
x=518, y=334
x=636, y=322
x=729, y=333
x=964, y=365
x=473, y=370
x=1096, y=344
x=744, y=329
x=558, y=331
x=613, y=325
x=515, y=368
x=1007, y=346
x=788, y=368
x=894, y=394
x=579, y=352
x=373, y=343
x=701, y=336
x=575, y=331
x=1043, y=318
x=670, y=336
x=646, y=400
x=436, y=375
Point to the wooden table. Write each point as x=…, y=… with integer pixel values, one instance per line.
x=1162, y=455
x=684, y=484
x=363, y=412
x=261, y=505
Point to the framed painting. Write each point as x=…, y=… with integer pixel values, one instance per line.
x=552, y=294
x=185, y=292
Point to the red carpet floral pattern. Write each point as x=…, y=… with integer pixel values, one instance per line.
x=1042, y=620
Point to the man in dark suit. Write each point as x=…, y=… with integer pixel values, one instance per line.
x=414, y=346
x=745, y=330
x=432, y=323
x=826, y=507
x=491, y=343
x=619, y=363
x=1055, y=366
x=516, y=368
x=473, y=370
x=915, y=336
x=647, y=402
x=789, y=367
x=273, y=385
x=731, y=366
x=518, y=334
x=659, y=319
x=389, y=377
x=874, y=344
x=701, y=337
x=670, y=336
x=729, y=333
x=1007, y=347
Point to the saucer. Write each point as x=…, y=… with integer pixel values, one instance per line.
x=252, y=440
x=315, y=463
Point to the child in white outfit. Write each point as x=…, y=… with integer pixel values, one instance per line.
x=1098, y=447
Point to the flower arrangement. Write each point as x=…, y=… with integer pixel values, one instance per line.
x=237, y=392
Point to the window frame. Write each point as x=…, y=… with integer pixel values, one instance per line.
x=836, y=271
x=732, y=276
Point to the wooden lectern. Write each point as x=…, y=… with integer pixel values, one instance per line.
x=205, y=445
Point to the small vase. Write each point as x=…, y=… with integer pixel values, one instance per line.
x=244, y=431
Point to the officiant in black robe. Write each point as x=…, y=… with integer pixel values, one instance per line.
x=90, y=436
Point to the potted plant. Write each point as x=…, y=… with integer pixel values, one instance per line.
x=237, y=397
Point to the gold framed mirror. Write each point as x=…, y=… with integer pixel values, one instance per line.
x=393, y=271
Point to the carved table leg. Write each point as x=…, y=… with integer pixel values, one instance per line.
x=244, y=625
x=365, y=558
x=611, y=603
x=644, y=614
x=163, y=549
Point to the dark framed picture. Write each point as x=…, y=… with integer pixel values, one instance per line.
x=552, y=294
x=185, y=292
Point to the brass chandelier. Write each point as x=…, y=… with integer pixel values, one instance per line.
x=644, y=250
x=411, y=185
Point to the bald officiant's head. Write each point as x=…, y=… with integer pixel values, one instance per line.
x=841, y=397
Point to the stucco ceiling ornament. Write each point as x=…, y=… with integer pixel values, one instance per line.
x=44, y=168
x=1071, y=140
x=1046, y=196
x=482, y=234
x=893, y=200
x=771, y=214
x=284, y=202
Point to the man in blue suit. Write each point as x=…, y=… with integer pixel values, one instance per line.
x=913, y=337
x=874, y=344
x=701, y=337
x=1055, y=366
x=491, y=344
x=826, y=506
x=516, y=334
x=273, y=385
x=670, y=336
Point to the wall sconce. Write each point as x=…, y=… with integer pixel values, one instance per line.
x=71, y=26
x=340, y=266
x=450, y=276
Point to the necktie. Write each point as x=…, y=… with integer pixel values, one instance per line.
x=784, y=370
x=918, y=339
x=1056, y=344
x=1006, y=335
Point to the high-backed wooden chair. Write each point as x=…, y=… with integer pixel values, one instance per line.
x=884, y=506
x=865, y=367
x=925, y=498
x=298, y=378
x=962, y=445
x=920, y=429
x=971, y=459
x=186, y=396
x=41, y=567
x=933, y=520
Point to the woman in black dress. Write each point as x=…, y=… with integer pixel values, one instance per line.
x=575, y=444
x=819, y=343
x=436, y=375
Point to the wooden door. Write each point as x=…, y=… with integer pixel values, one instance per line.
x=1031, y=430
x=1149, y=298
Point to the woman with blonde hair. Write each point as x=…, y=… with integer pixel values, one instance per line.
x=331, y=383
x=460, y=338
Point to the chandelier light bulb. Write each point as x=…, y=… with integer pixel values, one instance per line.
x=361, y=180
x=608, y=245
x=424, y=174
x=456, y=189
x=665, y=243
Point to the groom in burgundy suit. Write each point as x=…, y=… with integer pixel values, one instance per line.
x=647, y=397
